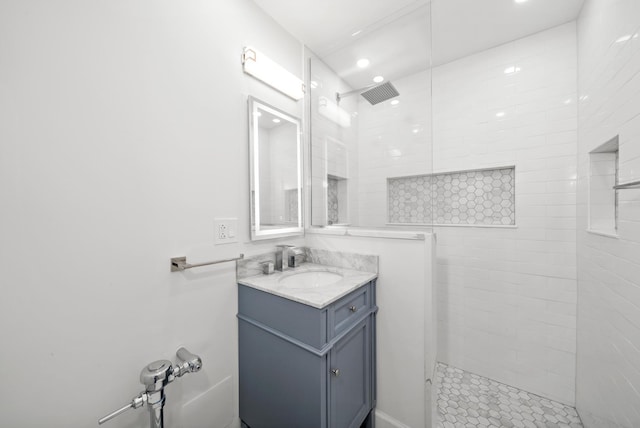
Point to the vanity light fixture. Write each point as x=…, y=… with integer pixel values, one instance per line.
x=268, y=71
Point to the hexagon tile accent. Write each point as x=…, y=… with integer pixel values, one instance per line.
x=466, y=400
x=485, y=197
x=332, y=200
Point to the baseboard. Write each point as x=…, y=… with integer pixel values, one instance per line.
x=385, y=421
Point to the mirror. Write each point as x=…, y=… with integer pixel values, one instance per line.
x=275, y=153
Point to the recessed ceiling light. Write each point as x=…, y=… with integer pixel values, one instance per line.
x=511, y=70
x=500, y=114
x=395, y=102
x=520, y=1
x=276, y=120
x=363, y=63
x=378, y=79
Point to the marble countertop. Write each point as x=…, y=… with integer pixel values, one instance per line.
x=316, y=296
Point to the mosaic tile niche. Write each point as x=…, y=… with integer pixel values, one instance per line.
x=332, y=200
x=291, y=200
x=483, y=197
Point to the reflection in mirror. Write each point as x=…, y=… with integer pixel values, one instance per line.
x=276, y=172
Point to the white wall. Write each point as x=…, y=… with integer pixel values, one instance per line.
x=507, y=296
x=608, y=360
x=405, y=324
x=123, y=134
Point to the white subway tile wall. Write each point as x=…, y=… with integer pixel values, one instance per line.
x=394, y=140
x=464, y=197
x=608, y=360
x=507, y=296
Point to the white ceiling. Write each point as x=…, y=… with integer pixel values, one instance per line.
x=395, y=34
x=464, y=27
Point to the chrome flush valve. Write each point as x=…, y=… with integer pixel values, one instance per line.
x=155, y=376
x=189, y=363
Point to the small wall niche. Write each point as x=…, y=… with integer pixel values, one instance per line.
x=337, y=165
x=337, y=200
x=603, y=198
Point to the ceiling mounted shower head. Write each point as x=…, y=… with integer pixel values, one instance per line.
x=374, y=94
x=380, y=93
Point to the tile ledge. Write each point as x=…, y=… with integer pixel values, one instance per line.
x=603, y=233
x=370, y=233
x=490, y=226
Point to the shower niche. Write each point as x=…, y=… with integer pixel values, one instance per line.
x=337, y=182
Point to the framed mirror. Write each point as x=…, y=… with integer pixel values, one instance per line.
x=275, y=153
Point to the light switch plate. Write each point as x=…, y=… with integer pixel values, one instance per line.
x=225, y=230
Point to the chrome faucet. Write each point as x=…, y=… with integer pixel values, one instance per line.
x=155, y=376
x=296, y=257
x=282, y=257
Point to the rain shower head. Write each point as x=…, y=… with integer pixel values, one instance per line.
x=380, y=93
x=374, y=94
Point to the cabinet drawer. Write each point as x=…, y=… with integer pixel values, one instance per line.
x=346, y=311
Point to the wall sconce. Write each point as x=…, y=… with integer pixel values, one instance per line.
x=262, y=68
x=334, y=112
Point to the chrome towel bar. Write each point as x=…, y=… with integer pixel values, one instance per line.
x=629, y=185
x=178, y=264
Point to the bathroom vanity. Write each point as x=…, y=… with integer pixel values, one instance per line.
x=307, y=348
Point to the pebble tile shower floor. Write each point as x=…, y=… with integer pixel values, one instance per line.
x=466, y=400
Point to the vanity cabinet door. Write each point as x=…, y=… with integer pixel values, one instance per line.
x=350, y=377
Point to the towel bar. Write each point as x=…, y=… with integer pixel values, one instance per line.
x=178, y=264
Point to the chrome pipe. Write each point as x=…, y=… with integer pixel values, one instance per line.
x=156, y=409
x=155, y=377
x=114, y=414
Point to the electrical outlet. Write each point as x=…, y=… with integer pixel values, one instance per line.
x=225, y=230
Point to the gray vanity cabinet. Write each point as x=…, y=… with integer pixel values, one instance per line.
x=350, y=384
x=303, y=367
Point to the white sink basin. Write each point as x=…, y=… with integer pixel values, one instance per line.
x=309, y=279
